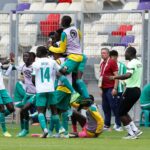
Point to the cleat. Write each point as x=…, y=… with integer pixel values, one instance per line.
x=50, y=135
x=73, y=135
x=23, y=133
x=44, y=135
x=7, y=134
x=138, y=132
x=61, y=130
x=107, y=128
x=64, y=136
x=132, y=137
x=57, y=135
x=119, y=129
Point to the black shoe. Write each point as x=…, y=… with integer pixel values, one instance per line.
x=44, y=135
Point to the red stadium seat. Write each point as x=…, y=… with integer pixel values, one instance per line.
x=125, y=28
x=50, y=24
x=65, y=1
x=122, y=30
x=118, y=33
x=54, y=17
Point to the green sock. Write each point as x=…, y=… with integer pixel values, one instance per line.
x=55, y=120
x=22, y=124
x=65, y=81
x=42, y=120
x=51, y=125
x=2, y=121
x=7, y=112
x=26, y=124
x=65, y=121
x=82, y=88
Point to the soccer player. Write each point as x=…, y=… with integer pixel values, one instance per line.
x=70, y=45
x=132, y=93
x=29, y=99
x=95, y=122
x=44, y=75
x=63, y=95
x=5, y=100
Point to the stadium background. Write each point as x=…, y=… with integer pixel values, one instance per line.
x=25, y=24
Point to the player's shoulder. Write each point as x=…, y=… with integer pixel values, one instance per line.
x=112, y=61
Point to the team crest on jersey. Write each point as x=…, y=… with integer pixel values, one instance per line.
x=73, y=33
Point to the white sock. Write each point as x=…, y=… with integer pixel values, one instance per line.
x=129, y=130
x=133, y=126
x=45, y=130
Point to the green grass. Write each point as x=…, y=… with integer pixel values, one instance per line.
x=106, y=141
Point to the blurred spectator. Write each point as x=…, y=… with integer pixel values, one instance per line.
x=108, y=67
x=121, y=87
x=145, y=97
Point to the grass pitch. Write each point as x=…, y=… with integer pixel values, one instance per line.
x=106, y=141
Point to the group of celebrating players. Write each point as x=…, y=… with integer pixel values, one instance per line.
x=51, y=80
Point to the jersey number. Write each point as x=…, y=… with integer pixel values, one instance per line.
x=45, y=74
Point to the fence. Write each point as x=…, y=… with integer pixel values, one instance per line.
x=114, y=29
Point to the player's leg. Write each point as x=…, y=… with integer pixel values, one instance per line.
x=68, y=67
x=5, y=100
x=80, y=83
x=55, y=120
x=24, y=117
x=41, y=102
x=51, y=125
x=74, y=122
x=9, y=109
x=52, y=102
x=2, y=119
x=130, y=97
x=79, y=118
x=63, y=105
x=8, y=102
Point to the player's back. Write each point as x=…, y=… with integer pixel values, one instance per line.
x=45, y=74
x=73, y=41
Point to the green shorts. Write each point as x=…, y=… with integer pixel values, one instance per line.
x=32, y=99
x=73, y=66
x=19, y=92
x=28, y=98
x=63, y=100
x=4, y=97
x=45, y=99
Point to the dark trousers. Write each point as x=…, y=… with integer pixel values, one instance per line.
x=110, y=103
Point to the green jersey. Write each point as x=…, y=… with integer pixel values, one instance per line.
x=135, y=68
x=121, y=70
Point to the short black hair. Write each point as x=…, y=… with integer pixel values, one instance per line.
x=51, y=34
x=113, y=53
x=131, y=50
x=66, y=21
x=32, y=55
x=60, y=30
x=91, y=97
x=41, y=51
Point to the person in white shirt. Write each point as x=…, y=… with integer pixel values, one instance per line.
x=43, y=76
x=5, y=100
